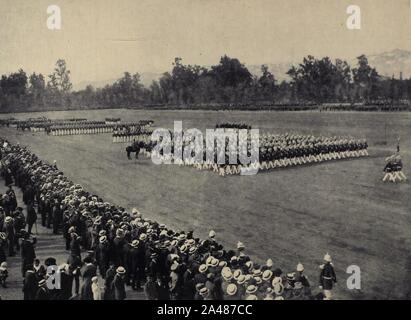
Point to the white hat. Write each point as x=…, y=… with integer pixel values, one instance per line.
x=241, y=279
x=237, y=273
x=267, y=274
x=251, y=297
x=277, y=280
x=300, y=267
x=203, y=291
x=214, y=262
x=120, y=270
x=269, y=263
x=240, y=245
x=278, y=289
x=251, y=289
x=211, y=234
x=231, y=289
x=327, y=257
x=203, y=268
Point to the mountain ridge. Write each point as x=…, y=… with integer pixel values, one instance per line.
x=388, y=64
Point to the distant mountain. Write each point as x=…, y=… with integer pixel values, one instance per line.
x=279, y=70
x=387, y=64
x=392, y=63
x=146, y=79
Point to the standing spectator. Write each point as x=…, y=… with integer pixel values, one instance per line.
x=109, y=278
x=31, y=216
x=27, y=252
x=150, y=288
x=89, y=272
x=30, y=284
x=42, y=291
x=118, y=284
x=95, y=289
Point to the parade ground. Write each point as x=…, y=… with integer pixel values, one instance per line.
x=289, y=215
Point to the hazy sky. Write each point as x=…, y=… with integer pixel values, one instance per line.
x=102, y=38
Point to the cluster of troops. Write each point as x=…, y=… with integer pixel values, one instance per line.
x=140, y=132
x=43, y=124
x=393, y=169
x=281, y=151
x=92, y=127
x=127, y=249
x=232, y=125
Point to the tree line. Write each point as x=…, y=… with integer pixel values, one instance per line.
x=313, y=81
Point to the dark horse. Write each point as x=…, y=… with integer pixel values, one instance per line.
x=135, y=147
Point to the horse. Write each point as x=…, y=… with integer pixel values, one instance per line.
x=133, y=148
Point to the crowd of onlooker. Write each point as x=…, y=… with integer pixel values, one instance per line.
x=125, y=248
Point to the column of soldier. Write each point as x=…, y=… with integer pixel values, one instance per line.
x=283, y=150
x=126, y=249
x=89, y=127
x=43, y=124
x=140, y=132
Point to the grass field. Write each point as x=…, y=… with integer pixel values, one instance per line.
x=289, y=215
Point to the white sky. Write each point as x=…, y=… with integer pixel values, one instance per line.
x=100, y=39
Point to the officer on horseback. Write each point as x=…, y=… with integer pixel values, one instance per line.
x=135, y=147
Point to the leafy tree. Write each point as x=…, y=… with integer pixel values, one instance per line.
x=60, y=78
x=366, y=79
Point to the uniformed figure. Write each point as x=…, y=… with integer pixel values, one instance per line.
x=327, y=277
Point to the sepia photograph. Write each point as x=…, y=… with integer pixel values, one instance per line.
x=205, y=150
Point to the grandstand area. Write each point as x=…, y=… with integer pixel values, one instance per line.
x=288, y=215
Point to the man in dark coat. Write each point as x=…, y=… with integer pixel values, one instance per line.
x=109, y=277
x=134, y=265
x=31, y=217
x=118, y=284
x=8, y=177
x=66, y=278
x=118, y=248
x=89, y=271
x=28, y=195
x=30, y=284
x=57, y=217
x=162, y=289
x=10, y=234
x=43, y=292
x=150, y=289
x=28, y=253
x=74, y=260
x=103, y=255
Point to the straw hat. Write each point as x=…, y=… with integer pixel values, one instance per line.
x=121, y=270
x=203, y=268
x=231, y=289
x=251, y=289
x=267, y=274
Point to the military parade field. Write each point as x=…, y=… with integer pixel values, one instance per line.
x=289, y=215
